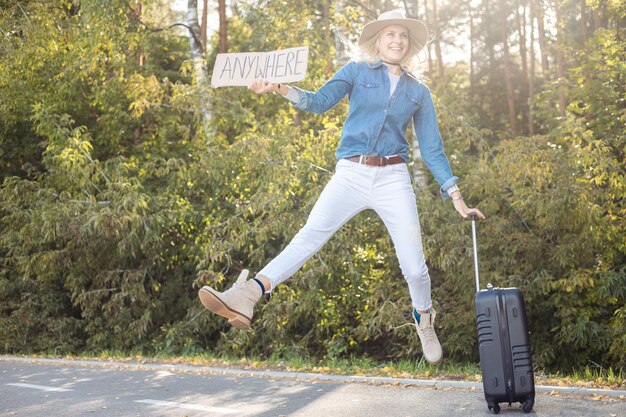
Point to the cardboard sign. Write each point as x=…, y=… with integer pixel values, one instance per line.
x=284, y=66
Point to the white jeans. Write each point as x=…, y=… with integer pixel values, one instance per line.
x=353, y=188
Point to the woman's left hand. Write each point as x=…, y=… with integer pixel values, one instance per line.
x=465, y=211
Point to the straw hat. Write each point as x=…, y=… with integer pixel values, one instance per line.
x=416, y=28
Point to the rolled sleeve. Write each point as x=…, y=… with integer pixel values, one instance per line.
x=448, y=187
x=431, y=145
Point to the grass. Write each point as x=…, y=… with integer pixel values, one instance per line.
x=591, y=376
x=402, y=368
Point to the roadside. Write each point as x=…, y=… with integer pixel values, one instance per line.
x=243, y=367
x=596, y=377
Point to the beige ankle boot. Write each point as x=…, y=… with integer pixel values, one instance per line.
x=236, y=303
x=431, y=347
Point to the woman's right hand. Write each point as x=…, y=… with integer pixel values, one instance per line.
x=263, y=86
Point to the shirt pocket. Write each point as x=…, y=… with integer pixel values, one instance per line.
x=410, y=103
x=413, y=99
x=405, y=106
x=370, y=89
x=367, y=96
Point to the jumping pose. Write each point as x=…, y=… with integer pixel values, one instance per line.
x=371, y=170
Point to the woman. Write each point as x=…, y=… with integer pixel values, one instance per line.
x=371, y=170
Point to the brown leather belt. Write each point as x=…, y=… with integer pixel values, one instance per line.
x=376, y=161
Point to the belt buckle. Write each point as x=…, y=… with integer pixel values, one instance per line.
x=365, y=160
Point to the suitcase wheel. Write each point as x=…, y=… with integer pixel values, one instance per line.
x=494, y=407
x=527, y=406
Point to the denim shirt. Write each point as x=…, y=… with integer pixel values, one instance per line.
x=376, y=123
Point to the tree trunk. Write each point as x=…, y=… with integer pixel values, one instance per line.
x=541, y=34
x=341, y=55
x=139, y=56
x=560, y=64
x=437, y=41
x=493, y=108
x=597, y=19
x=197, y=54
x=327, y=29
x=584, y=24
x=510, y=97
x=531, y=78
x=223, y=47
x=521, y=29
x=472, y=81
x=427, y=18
x=195, y=39
x=203, y=25
x=411, y=8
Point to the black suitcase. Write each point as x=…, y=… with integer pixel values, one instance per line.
x=503, y=343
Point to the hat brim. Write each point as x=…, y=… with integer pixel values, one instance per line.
x=416, y=28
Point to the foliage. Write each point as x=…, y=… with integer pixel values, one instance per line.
x=115, y=208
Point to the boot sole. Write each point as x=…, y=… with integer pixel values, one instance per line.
x=214, y=304
x=434, y=363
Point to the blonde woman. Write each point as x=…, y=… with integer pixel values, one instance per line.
x=371, y=172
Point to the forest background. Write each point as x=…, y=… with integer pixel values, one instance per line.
x=128, y=183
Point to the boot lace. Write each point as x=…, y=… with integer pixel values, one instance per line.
x=402, y=325
x=428, y=331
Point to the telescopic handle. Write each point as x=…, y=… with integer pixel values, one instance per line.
x=473, y=216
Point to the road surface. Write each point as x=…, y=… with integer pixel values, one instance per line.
x=37, y=387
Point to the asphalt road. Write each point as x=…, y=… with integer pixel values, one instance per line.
x=83, y=389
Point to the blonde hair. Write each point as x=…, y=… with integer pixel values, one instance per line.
x=368, y=52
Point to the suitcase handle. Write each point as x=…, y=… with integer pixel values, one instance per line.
x=473, y=217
